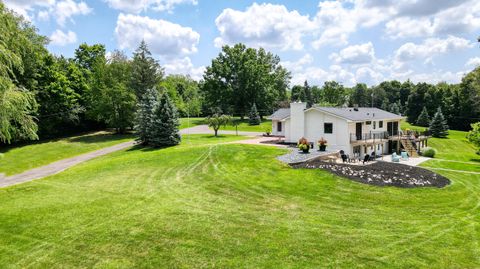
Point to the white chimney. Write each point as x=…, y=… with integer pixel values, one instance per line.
x=297, y=120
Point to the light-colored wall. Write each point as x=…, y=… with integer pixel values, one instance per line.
x=297, y=121
x=286, y=124
x=314, y=130
x=275, y=128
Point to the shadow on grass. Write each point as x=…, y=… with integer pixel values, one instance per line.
x=143, y=148
x=100, y=137
x=86, y=138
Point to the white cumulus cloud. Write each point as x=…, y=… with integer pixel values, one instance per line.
x=356, y=54
x=163, y=37
x=65, y=10
x=137, y=6
x=184, y=66
x=61, y=11
x=431, y=47
x=265, y=25
x=473, y=62
x=60, y=38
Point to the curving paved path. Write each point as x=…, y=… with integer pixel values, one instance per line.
x=59, y=166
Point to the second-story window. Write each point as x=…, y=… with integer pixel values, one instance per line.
x=380, y=124
x=328, y=128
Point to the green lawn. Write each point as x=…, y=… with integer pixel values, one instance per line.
x=243, y=126
x=232, y=206
x=191, y=122
x=21, y=158
x=454, y=152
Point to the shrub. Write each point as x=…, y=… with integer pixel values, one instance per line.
x=474, y=136
x=268, y=130
x=429, y=152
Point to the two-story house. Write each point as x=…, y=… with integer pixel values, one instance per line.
x=355, y=130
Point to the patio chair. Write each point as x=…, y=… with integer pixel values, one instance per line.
x=344, y=158
x=404, y=155
x=395, y=158
x=366, y=158
x=373, y=156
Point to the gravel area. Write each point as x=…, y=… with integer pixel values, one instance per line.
x=295, y=156
x=382, y=174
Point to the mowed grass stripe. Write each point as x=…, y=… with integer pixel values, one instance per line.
x=232, y=206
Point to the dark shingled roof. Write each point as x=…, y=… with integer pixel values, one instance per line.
x=280, y=114
x=349, y=113
x=363, y=113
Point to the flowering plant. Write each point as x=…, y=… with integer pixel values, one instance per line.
x=322, y=142
x=303, y=144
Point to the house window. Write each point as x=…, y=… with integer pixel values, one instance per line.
x=279, y=126
x=368, y=122
x=374, y=125
x=380, y=124
x=328, y=128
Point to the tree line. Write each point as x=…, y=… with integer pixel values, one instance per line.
x=44, y=95
x=459, y=103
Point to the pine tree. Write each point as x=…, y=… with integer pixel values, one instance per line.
x=438, y=126
x=164, y=129
x=146, y=116
x=395, y=109
x=146, y=72
x=423, y=118
x=253, y=117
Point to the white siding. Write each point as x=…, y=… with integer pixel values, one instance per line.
x=286, y=124
x=314, y=130
x=297, y=121
x=275, y=128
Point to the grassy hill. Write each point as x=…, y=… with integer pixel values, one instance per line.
x=20, y=158
x=454, y=152
x=209, y=204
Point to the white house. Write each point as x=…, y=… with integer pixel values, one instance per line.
x=356, y=131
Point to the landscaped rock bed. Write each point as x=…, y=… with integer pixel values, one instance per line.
x=382, y=174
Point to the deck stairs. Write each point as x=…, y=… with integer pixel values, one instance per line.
x=409, y=147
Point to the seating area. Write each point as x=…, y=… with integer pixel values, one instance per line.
x=356, y=158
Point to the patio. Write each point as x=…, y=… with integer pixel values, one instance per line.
x=295, y=156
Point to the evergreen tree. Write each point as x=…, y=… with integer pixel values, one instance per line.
x=423, y=118
x=253, y=117
x=438, y=126
x=146, y=116
x=146, y=72
x=395, y=109
x=308, y=94
x=164, y=128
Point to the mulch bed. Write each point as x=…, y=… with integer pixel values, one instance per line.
x=382, y=174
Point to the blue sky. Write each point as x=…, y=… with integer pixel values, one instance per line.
x=348, y=41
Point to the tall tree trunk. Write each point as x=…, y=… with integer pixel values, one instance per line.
x=216, y=132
